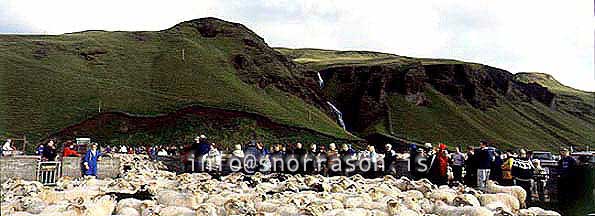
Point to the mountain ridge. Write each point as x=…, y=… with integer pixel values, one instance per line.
x=55, y=82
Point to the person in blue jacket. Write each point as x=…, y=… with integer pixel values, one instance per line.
x=90, y=160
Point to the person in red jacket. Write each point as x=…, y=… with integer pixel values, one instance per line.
x=69, y=150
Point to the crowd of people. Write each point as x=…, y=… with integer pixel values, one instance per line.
x=473, y=168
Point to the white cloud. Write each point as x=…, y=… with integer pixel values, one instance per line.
x=554, y=36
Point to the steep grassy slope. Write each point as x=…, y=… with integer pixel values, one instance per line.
x=570, y=100
x=51, y=82
x=441, y=100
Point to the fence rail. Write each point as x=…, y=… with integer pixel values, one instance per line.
x=48, y=172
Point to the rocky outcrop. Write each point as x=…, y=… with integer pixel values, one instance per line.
x=483, y=86
x=360, y=92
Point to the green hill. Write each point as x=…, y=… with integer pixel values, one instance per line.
x=388, y=97
x=219, y=78
x=50, y=82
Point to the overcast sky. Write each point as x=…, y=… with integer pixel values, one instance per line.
x=551, y=36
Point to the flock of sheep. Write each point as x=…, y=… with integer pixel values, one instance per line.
x=145, y=188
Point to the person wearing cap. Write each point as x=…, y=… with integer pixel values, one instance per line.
x=484, y=160
x=90, y=160
x=522, y=171
x=412, y=156
x=566, y=170
x=566, y=163
x=389, y=157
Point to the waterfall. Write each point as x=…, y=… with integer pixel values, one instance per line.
x=338, y=113
x=320, y=80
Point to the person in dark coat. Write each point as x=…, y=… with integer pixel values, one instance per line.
x=484, y=164
x=496, y=173
x=389, y=158
x=49, y=151
x=90, y=160
x=202, y=147
x=333, y=163
x=277, y=156
x=300, y=153
x=412, y=164
x=567, y=171
x=471, y=168
x=251, y=156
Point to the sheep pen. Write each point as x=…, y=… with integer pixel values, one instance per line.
x=146, y=188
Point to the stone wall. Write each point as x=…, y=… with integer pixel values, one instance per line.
x=71, y=166
x=25, y=167
x=108, y=168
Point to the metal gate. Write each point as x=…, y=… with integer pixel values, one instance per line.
x=48, y=172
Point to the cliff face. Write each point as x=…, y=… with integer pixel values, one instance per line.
x=361, y=91
x=483, y=86
x=391, y=98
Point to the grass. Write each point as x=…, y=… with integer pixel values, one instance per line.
x=147, y=76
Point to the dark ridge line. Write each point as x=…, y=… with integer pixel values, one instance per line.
x=186, y=109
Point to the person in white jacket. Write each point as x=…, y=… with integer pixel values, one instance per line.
x=7, y=145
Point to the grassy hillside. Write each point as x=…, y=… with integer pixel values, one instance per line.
x=576, y=102
x=72, y=84
x=53, y=81
x=512, y=121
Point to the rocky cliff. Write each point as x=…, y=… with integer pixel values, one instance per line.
x=387, y=97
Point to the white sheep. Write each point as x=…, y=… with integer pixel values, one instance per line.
x=466, y=200
x=493, y=201
x=516, y=191
x=174, y=198
x=176, y=211
x=536, y=211
x=440, y=208
x=104, y=205
x=128, y=211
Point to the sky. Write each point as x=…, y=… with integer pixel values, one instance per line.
x=550, y=36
